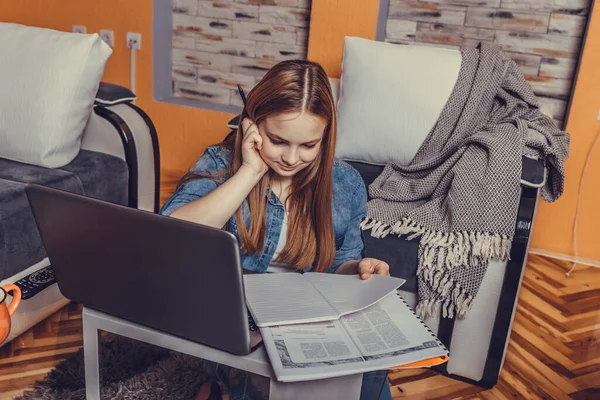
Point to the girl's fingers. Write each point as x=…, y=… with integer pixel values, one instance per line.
x=248, y=127
x=258, y=141
x=245, y=125
x=253, y=140
x=365, y=268
x=370, y=266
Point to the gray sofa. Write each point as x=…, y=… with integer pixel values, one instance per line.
x=118, y=162
x=61, y=127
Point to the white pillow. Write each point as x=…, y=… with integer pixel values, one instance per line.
x=48, y=82
x=391, y=96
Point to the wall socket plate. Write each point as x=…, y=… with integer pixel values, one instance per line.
x=79, y=29
x=134, y=40
x=108, y=36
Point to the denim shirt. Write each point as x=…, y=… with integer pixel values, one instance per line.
x=349, y=206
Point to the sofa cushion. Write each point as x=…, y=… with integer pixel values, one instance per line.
x=390, y=97
x=49, y=80
x=93, y=174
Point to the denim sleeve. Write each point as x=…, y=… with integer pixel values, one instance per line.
x=353, y=247
x=194, y=189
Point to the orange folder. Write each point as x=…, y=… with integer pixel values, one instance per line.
x=429, y=362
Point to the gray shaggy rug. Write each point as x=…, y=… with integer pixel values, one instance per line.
x=128, y=370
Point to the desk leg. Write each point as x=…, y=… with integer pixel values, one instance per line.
x=342, y=388
x=91, y=355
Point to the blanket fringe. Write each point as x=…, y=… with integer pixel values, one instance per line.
x=451, y=307
x=428, y=308
x=446, y=249
x=440, y=252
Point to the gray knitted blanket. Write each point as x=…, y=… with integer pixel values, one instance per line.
x=460, y=193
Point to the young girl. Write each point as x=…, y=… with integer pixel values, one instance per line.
x=276, y=185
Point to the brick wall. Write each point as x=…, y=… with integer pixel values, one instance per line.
x=542, y=36
x=220, y=44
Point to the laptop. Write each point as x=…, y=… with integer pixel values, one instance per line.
x=174, y=276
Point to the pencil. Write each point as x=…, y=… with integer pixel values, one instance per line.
x=242, y=94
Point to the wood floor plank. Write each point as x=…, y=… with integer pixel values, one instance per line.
x=32, y=372
x=544, y=344
x=586, y=330
x=493, y=394
x=435, y=387
x=552, y=272
x=33, y=356
x=534, y=302
x=518, y=386
x=537, y=279
x=587, y=394
x=531, y=373
x=588, y=381
x=551, y=329
x=41, y=364
x=547, y=373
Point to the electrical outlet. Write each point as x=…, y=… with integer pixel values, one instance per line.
x=134, y=40
x=79, y=29
x=108, y=37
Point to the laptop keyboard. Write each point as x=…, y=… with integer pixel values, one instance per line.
x=255, y=335
x=251, y=324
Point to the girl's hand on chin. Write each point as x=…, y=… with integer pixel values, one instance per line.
x=251, y=146
x=369, y=266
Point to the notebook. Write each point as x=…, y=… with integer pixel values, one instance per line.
x=280, y=299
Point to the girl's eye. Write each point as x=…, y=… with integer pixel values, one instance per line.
x=309, y=146
x=276, y=142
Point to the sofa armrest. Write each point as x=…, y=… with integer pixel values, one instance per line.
x=110, y=94
x=125, y=131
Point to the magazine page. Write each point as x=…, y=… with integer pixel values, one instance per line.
x=321, y=342
x=382, y=329
x=334, y=348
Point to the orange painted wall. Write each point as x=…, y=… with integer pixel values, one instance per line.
x=184, y=132
x=330, y=21
x=554, y=224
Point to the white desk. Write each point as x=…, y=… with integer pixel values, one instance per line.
x=257, y=362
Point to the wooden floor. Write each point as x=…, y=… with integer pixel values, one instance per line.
x=554, y=352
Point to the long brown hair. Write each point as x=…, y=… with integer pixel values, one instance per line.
x=292, y=86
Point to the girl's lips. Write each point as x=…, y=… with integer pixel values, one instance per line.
x=287, y=168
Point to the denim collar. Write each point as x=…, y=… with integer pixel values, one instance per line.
x=273, y=199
